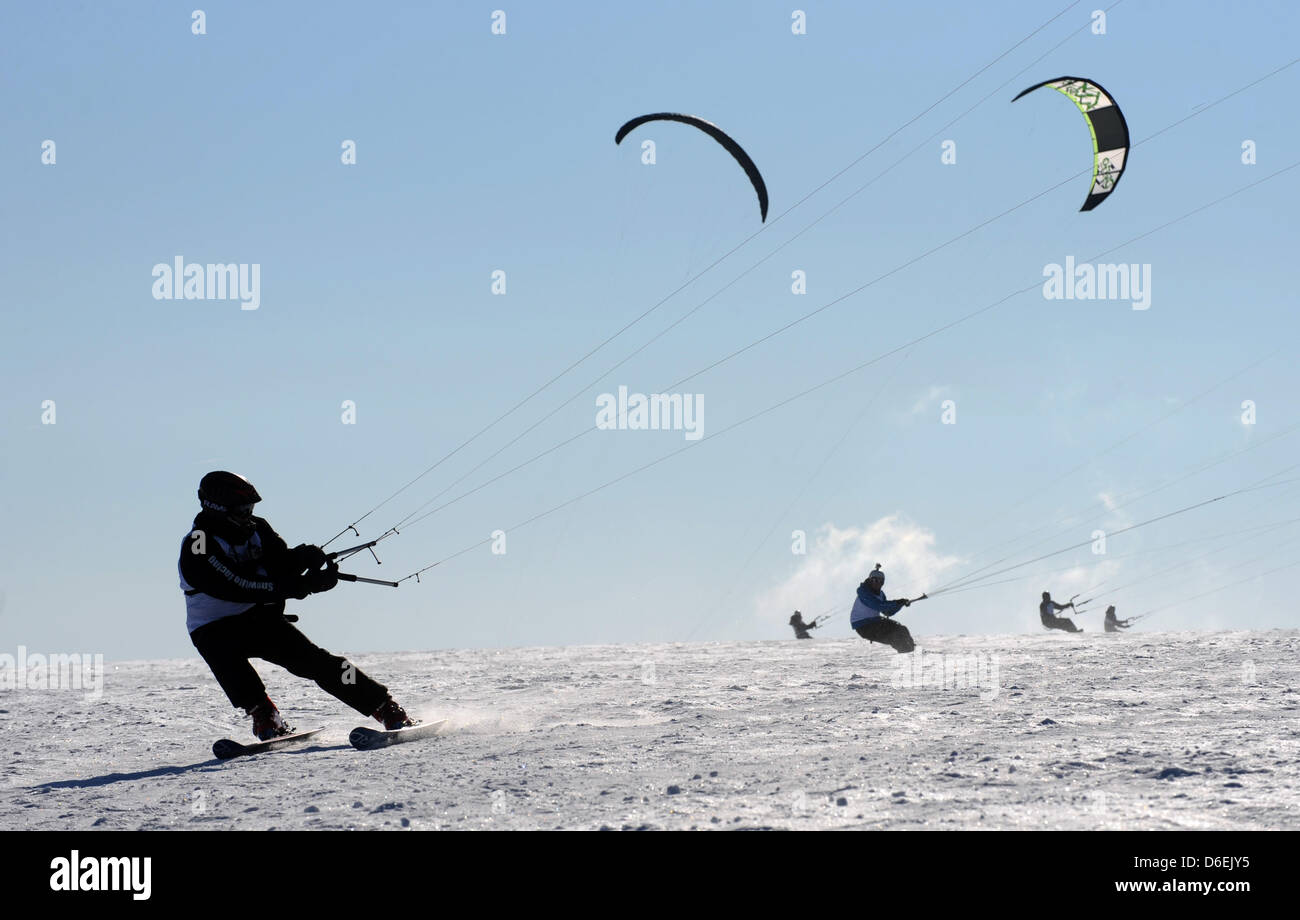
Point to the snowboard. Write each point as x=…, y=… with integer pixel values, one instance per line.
x=226, y=748
x=366, y=739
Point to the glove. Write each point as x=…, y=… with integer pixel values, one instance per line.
x=297, y=587
x=306, y=556
x=319, y=580
x=906, y=602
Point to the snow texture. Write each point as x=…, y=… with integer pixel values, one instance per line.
x=1149, y=730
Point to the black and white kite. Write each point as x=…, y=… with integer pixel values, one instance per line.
x=1109, y=132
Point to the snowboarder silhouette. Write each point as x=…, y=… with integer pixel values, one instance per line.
x=1112, y=623
x=236, y=573
x=1046, y=613
x=800, y=627
x=871, y=615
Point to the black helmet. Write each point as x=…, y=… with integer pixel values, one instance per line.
x=228, y=493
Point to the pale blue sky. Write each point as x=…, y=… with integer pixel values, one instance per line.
x=479, y=152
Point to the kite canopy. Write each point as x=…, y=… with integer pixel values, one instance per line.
x=713, y=131
x=1109, y=132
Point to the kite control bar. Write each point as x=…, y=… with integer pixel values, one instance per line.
x=344, y=576
x=351, y=550
x=344, y=553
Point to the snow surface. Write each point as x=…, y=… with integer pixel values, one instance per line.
x=1148, y=730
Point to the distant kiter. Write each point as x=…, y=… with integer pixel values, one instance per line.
x=800, y=627
x=1046, y=612
x=1113, y=624
x=872, y=611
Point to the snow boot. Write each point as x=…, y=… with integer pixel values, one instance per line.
x=267, y=721
x=393, y=716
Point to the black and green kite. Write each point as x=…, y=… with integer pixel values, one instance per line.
x=1109, y=132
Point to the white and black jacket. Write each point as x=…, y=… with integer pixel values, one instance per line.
x=236, y=570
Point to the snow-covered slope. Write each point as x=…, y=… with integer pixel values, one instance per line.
x=1151, y=730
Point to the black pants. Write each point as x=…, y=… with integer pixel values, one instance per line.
x=887, y=632
x=263, y=632
x=1062, y=623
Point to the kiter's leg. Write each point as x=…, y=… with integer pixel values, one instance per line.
x=902, y=638
x=887, y=632
x=224, y=646
x=280, y=642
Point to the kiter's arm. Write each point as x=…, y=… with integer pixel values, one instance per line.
x=221, y=576
x=879, y=604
